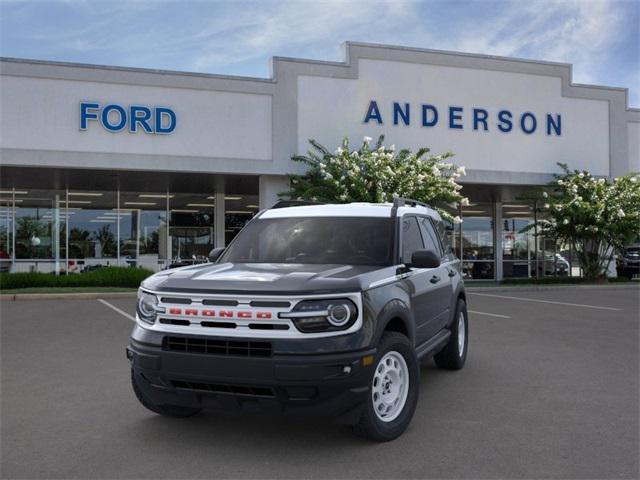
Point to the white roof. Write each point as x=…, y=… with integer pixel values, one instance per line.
x=346, y=210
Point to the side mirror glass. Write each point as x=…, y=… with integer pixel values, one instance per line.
x=424, y=259
x=215, y=254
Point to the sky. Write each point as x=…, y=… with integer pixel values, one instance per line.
x=600, y=38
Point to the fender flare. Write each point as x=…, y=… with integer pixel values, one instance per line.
x=395, y=309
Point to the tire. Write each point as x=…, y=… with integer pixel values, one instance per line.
x=454, y=354
x=395, y=354
x=166, y=410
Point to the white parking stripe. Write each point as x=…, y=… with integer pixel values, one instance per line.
x=545, y=301
x=116, y=309
x=488, y=314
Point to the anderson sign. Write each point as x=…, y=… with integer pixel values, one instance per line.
x=460, y=118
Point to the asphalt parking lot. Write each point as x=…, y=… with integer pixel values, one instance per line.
x=550, y=390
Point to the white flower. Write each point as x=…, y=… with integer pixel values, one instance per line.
x=367, y=140
x=435, y=171
x=343, y=196
x=546, y=205
x=464, y=202
x=545, y=195
x=392, y=148
x=457, y=219
x=339, y=151
x=461, y=170
x=355, y=154
x=633, y=179
x=581, y=175
x=621, y=213
x=565, y=221
x=560, y=182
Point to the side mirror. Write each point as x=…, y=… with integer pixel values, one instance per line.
x=424, y=259
x=215, y=254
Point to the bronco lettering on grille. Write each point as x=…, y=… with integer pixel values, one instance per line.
x=210, y=313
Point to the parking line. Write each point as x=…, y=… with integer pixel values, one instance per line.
x=545, y=301
x=116, y=309
x=488, y=314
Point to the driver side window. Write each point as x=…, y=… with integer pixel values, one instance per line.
x=411, y=238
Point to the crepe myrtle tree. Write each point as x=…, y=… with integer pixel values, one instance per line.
x=597, y=217
x=375, y=173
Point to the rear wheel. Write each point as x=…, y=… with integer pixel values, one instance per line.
x=166, y=410
x=393, y=392
x=454, y=354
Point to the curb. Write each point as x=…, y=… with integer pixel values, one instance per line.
x=542, y=288
x=66, y=296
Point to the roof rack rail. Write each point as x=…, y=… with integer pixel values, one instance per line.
x=403, y=202
x=294, y=203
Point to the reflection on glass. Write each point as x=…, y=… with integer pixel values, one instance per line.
x=39, y=229
x=192, y=228
x=6, y=231
x=477, y=241
x=239, y=209
x=144, y=229
x=92, y=230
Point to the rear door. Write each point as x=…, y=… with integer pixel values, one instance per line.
x=419, y=280
x=439, y=279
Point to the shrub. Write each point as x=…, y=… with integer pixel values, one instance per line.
x=102, y=277
x=377, y=174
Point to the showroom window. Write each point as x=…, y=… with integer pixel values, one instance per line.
x=239, y=209
x=478, y=253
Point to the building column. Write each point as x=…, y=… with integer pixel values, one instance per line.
x=269, y=188
x=497, y=241
x=219, y=220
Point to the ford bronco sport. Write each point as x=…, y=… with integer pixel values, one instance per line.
x=312, y=309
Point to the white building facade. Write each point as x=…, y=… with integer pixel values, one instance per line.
x=120, y=166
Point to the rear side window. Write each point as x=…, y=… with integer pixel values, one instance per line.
x=430, y=239
x=411, y=238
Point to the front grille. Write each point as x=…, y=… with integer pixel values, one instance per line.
x=217, y=347
x=255, y=391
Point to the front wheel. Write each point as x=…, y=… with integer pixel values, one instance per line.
x=393, y=392
x=454, y=354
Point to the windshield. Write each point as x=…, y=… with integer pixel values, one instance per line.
x=325, y=240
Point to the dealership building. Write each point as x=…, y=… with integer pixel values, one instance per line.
x=123, y=166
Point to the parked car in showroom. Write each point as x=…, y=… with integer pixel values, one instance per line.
x=628, y=263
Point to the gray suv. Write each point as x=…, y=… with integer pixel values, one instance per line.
x=311, y=310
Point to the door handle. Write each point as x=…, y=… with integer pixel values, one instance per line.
x=452, y=273
x=435, y=279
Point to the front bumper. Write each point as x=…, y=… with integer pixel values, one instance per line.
x=329, y=384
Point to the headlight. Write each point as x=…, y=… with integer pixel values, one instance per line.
x=147, y=307
x=323, y=315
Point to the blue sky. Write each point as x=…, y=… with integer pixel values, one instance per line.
x=600, y=38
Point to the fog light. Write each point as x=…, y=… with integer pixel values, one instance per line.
x=368, y=360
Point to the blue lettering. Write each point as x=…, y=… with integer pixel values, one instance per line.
x=480, y=115
x=523, y=123
x=455, y=113
x=85, y=114
x=425, y=115
x=504, y=117
x=139, y=115
x=169, y=127
x=556, y=125
x=105, y=118
x=399, y=112
x=373, y=113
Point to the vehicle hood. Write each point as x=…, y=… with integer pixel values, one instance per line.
x=267, y=278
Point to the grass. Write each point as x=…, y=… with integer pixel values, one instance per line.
x=121, y=277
